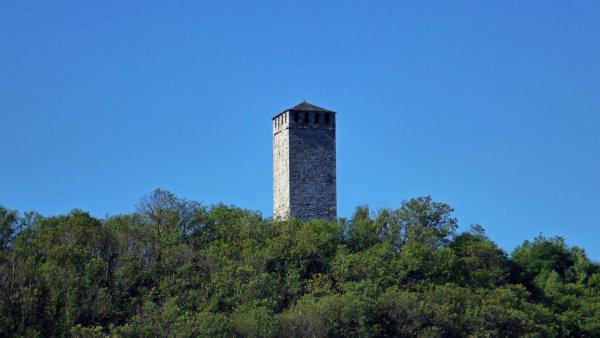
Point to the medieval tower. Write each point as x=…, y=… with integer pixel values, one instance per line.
x=304, y=163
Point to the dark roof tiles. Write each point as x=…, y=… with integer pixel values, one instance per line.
x=308, y=107
x=305, y=106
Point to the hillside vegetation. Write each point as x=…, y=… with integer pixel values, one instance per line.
x=182, y=269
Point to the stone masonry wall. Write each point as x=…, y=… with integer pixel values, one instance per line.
x=304, y=173
x=312, y=173
x=281, y=172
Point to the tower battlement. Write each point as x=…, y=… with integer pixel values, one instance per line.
x=304, y=163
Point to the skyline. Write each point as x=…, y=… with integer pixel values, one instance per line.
x=491, y=108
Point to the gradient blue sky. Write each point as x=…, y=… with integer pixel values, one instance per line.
x=491, y=107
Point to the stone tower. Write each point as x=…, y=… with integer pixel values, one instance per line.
x=304, y=163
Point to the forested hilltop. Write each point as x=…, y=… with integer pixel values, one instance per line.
x=182, y=269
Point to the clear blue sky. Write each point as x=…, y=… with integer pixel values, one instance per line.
x=492, y=107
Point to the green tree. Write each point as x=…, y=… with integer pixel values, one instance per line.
x=427, y=222
x=535, y=260
x=178, y=268
x=8, y=221
x=480, y=263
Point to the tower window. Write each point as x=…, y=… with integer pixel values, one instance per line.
x=296, y=117
x=305, y=117
x=316, y=117
x=327, y=118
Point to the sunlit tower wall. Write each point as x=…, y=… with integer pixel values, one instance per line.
x=304, y=174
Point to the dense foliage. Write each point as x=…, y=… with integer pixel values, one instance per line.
x=179, y=268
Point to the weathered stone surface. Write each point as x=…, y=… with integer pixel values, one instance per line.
x=281, y=174
x=304, y=169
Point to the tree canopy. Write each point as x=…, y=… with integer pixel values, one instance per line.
x=183, y=269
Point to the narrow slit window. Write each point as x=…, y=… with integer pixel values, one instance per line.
x=296, y=117
x=316, y=117
x=327, y=118
x=305, y=117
